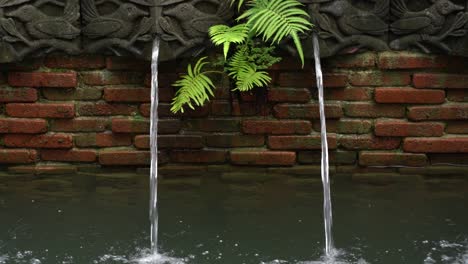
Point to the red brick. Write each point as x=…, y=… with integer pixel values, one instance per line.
x=440, y=80
x=213, y=125
x=250, y=109
x=79, y=125
x=307, y=79
x=459, y=95
x=457, y=127
x=27, y=126
x=363, y=60
x=41, y=110
x=348, y=94
x=332, y=125
x=127, y=94
x=127, y=63
x=121, y=125
x=164, y=110
x=10, y=95
x=73, y=155
x=411, y=60
x=444, y=112
x=75, y=62
x=436, y=145
x=300, y=142
x=289, y=95
x=276, y=127
x=43, y=79
x=354, y=126
x=400, y=128
x=376, y=158
x=373, y=110
x=124, y=157
x=335, y=157
x=221, y=108
x=59, y=169
x=39, y=141
x=307, y=111
x=234, y=140
x=18, y=156
x=355, y=142
x=409, y=95
x=104, y=109
x=263, y=158
x=111, y=78
x=176, y=141
x=199, y=156
x=371, y=78
x=102, y=140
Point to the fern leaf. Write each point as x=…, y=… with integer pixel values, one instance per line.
x=239, y=3
x=248, y=77
x=225, y=35
x=194, y=88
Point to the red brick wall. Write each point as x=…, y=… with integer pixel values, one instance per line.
x=383, y=109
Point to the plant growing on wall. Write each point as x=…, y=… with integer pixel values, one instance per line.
x=261, y=26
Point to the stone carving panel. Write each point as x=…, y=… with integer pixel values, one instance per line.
x=38, y=27
x=183, y=25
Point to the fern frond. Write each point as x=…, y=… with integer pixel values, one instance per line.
x=239, y=3
x=225, y=35
x=248, y=77
x=194, y=88
x=275, y=20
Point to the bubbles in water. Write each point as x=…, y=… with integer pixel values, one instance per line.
x=158, y=259
x=3, y=259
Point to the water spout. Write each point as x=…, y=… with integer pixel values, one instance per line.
x=327, y=206
x=154, y=147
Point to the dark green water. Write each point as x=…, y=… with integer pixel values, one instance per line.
x=230, y=220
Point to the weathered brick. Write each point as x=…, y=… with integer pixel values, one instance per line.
x=234, y=140
x=400, y=128
x=289, y=95
x=347, y=94
x=307, y=79
x=127, y=63
x=176, y=141
x=43, y=79
x=443, y=112
x=332, y=125
x=454, y=127
x=276, y=127
x=354, y=126
x=335, y=157
x=102, y=140
x=41, y=110
x=10, y=95
x=124, y=157
x=80, y=93
x=72, y=155
x=124, y=125
x=409, y=95
x=300, y=142
x=448, y=158
x=221, y=108
x=50, y=169
x=75, y=62
x=20, y=125
x=127, y=94
x=105, y=109
x=459, y=95
x=83, y=124
x=111, y=78
x=307, y=111
x=38, y=141
x=373, y=78
x=411, y=60
x=199, y=156
x=440, y=80
x=436, y=145
x=373, y=110
x=213, y=125
x=363, y=60
x=250, y=109
x=12, y=156
x=263, y=158
x=378, y=158
x=355, y=142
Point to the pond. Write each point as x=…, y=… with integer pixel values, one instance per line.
x=232, y=218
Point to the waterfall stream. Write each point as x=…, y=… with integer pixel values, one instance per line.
x=154, y=147
x=327, y=206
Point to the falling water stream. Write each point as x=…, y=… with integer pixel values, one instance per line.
x=154, y=148
x=327, y=206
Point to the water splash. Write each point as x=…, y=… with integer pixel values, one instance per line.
x=154, y=147
x=327, y=206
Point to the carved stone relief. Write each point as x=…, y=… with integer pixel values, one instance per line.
x=38, y=27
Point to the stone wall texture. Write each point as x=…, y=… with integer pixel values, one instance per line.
x=398, y=109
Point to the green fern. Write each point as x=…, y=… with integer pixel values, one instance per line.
x=239, y=3
x=225, y=35
x=249, y=77
x=275, y=20
x=194, y=88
